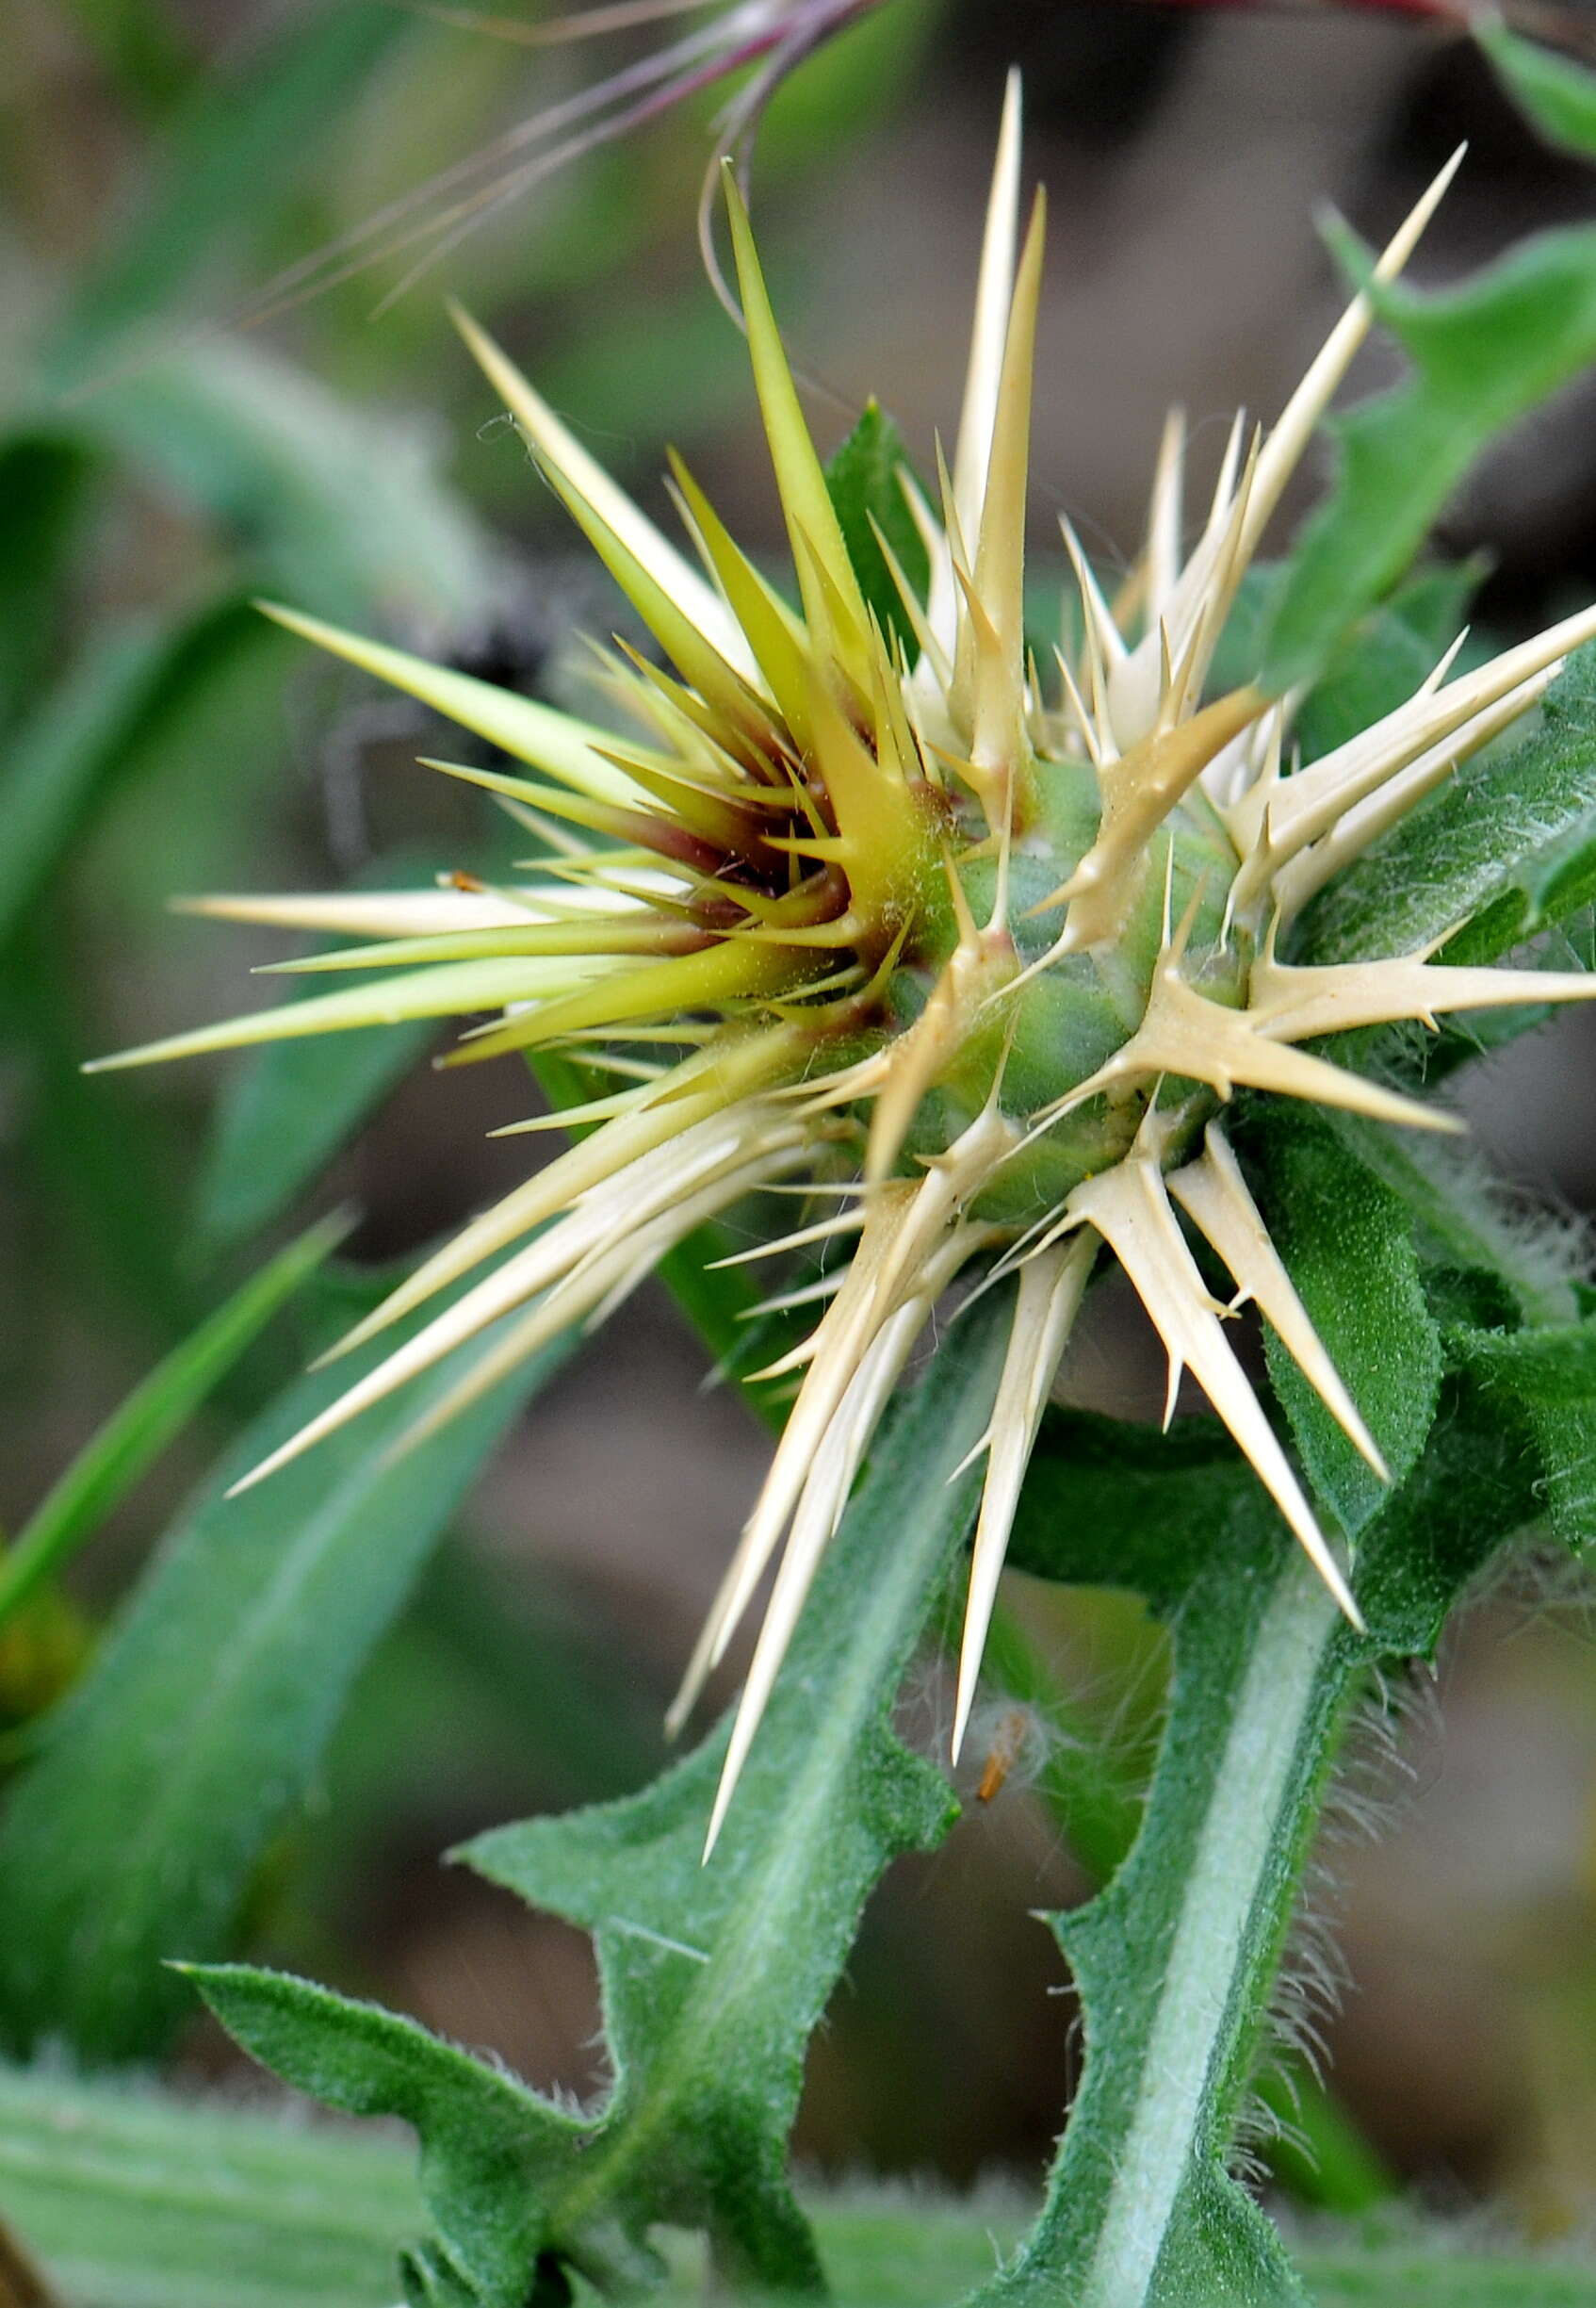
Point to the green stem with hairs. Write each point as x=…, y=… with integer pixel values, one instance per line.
x=1176, y=1959
x=1091, y=1788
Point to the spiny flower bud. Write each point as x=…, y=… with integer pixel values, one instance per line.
x=968, y=956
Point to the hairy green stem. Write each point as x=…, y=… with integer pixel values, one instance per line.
x=1225, y=1932
x=1175, y=1961
x=1091, y=1788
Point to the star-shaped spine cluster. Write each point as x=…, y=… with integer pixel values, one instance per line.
x=967, y=954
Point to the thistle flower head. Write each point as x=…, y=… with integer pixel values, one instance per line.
x=966, y=953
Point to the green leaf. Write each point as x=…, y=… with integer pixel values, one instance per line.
x=1111, y=1504
x=63, y=754
x=1483, y=355
x=336, y=509
x=1387, y=657
x=1463, y=1221
x=156, y=1411
x=135, y=2198
x=198, y=1731
x=284, y=1114
x=711, y=1985
x=712, y=1976
x=1555, y=91
x=132, y=2198
x=863, y=479
x=1346, y=1242
x=43, y=479
x=492, y=2150
x=129, y=696
x=1472, y=1492
x=1509, y=848
x=103, y=1181
x=1548, y=1375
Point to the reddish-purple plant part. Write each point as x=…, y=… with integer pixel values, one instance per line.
x=776, y=36
x=765, y=41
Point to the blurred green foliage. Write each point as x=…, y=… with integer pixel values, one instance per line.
x=159, y=469
x=147, y=2202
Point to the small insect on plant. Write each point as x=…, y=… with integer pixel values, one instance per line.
x=1006, y=1750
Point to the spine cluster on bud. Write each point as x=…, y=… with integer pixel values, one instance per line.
x=970, y=958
